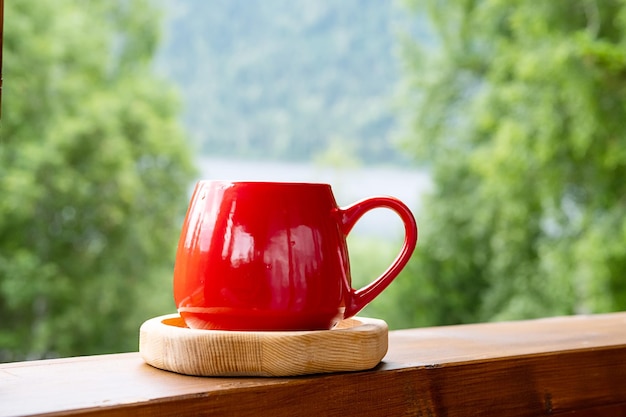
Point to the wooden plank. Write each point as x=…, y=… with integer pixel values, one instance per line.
x=540, y=367
x=1, y=43
x=484, y=341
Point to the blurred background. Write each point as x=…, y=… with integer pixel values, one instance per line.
x=501, y=124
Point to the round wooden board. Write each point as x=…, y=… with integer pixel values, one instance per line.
x=355, y=344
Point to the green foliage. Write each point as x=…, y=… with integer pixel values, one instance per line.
x=369, y=258
x=93, y=177
x=518, y=109
x=278, y=79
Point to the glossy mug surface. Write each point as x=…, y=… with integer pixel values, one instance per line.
x=273, y=256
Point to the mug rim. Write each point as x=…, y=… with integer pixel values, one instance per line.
x=264, y=182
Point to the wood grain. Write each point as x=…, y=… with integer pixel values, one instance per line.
x=355, y=344
x=560, y=366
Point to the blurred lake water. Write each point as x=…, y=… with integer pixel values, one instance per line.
x=349, y=185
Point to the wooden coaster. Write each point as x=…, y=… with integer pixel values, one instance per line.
x=353, y=345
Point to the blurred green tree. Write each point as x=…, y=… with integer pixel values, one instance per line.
x=519, y=110
x=285, y=80
x=93, y=175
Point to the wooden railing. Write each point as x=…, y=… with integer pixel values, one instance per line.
x=554, y=366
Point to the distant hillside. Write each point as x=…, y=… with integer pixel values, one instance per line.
x=287, y=80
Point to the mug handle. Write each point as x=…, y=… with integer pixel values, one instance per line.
x=358, y=299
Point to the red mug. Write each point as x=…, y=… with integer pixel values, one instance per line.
x=273, y=256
